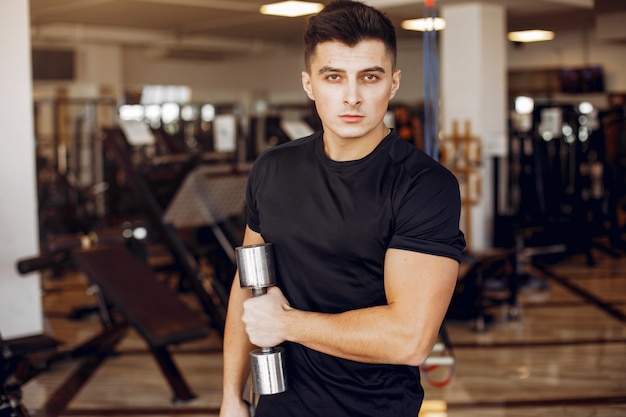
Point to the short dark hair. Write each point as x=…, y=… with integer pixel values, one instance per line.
x=349, y=22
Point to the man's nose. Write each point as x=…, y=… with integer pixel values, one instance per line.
x=352, y=96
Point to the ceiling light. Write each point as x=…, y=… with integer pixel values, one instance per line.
x=585, y=107
x=424, y=24
x=291, y=8
x=531, y=36
x=524, y=105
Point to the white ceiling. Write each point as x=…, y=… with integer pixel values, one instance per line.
x=219, y=26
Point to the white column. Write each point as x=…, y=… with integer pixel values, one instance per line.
x=20, y=297
x=473, y=88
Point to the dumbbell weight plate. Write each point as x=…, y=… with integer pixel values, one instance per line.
x=268, y=371
x=256, y=266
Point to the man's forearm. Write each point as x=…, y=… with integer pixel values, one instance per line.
x=236, y=347
x=371, y=335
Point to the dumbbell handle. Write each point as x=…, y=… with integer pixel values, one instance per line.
x=257, y=292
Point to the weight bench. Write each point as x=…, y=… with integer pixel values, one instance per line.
x=471, y=297
x=158, y=315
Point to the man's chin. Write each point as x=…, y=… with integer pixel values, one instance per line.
x=355, y=132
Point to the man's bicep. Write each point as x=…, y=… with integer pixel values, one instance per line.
x=419, y=287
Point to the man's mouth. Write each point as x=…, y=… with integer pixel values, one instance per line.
x=351, y=118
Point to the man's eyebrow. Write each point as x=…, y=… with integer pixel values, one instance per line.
x=375, y=68
x=326, y=69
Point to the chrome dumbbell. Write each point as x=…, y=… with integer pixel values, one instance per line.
x=255, y=264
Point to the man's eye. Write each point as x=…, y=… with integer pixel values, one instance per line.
x=332, y=77
x=371, y=77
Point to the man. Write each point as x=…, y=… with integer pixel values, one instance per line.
x=365, y=229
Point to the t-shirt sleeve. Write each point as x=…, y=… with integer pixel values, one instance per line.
x=252, y=212
x=428, y=216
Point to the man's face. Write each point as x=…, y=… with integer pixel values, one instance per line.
x=351, y=87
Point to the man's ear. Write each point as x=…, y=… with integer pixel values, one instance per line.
x=306, y=85
x=395, y=83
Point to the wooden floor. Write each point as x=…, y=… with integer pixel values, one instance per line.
x=564, y=356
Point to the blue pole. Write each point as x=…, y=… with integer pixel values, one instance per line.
x=431, y=85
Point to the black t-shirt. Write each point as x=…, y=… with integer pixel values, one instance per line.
x=330, y=224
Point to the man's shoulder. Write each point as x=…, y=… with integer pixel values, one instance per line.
x=413, y=160
x=286, y=156
x=289, y=147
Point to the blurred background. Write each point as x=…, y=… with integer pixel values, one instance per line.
x=133, y=123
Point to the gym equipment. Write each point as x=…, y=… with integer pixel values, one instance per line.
x=155, y=311
x=208, y=196
x=439, y=367
x=487, y=278
x=70, y=175
x=123, y=282
x=211, y=293
x=460, y=152
x=256, y=271
x=16, y=369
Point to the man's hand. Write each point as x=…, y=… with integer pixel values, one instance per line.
x=264, y=318
x=235, y=409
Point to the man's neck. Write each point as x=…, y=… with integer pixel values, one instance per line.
x=352, y=149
